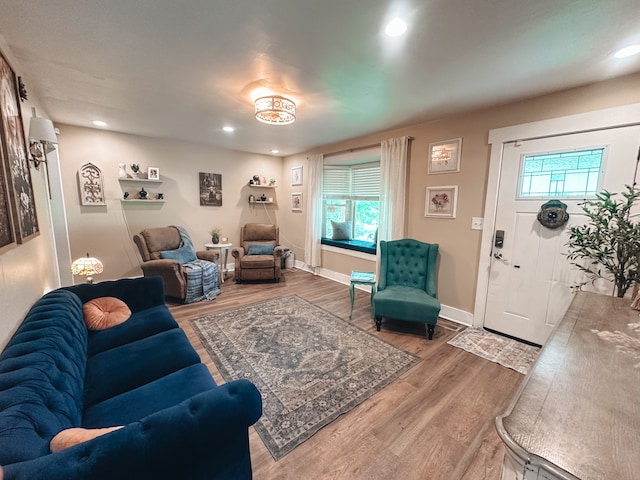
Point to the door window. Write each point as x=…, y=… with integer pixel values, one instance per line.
x=568, y=174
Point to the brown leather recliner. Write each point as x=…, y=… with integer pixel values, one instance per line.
x=253, y=259
x=151, y=242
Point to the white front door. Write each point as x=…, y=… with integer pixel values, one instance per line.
x=530, y=278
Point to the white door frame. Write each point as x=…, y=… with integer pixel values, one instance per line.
x=627, y=115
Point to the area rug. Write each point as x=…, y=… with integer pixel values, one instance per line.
x=497, y=348
x=309, y=365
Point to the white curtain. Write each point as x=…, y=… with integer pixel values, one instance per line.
x=393, y=178
x=312, y=248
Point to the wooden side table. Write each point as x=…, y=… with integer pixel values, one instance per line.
x=223, y=249
x=360, y=278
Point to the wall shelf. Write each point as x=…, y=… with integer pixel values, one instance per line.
x=140, y=200
x=139, y=180
x=262, y=186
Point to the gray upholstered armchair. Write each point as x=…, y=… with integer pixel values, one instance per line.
x=407, y=283
x=259, y=256
x=151, y=242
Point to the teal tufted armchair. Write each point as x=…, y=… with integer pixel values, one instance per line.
x=407, y=283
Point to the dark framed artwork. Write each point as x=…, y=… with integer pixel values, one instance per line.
x=14, y=157
x=7, y=232
x=210, y=189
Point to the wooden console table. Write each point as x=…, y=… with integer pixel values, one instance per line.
x=577, y=413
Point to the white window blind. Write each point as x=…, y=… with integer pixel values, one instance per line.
x=355, y=181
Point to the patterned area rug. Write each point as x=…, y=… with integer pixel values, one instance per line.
x=309, y=365
x=496, y=348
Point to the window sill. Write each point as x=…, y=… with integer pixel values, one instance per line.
x=354, y=245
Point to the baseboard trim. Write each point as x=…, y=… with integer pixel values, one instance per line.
x=449, y=313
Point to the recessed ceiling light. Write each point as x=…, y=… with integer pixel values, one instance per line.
x=275, y=150
x=627, y=51
x=99, y=123
x=395, y=28
x=228, y=129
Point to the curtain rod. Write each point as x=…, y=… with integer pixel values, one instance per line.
x=355, y=149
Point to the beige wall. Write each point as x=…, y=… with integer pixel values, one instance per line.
x=459, y=245
x=106, y=231
x=29, y=270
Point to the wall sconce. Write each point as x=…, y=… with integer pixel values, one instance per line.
x=42, y=137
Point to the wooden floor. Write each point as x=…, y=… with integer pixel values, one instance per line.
x=434, y=422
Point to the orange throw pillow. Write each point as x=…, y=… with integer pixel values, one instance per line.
x=105, y=312
x=73, y=436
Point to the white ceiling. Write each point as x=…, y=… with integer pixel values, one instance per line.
x=185, y=68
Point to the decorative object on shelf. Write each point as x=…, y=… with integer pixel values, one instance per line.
x=87, y=266
x=215, y=235
x=210, y=189
x=18, y=219
x=252, y=198
x=444, y=157
x=296, y=202
x=264, y=181
x=224, y=239
x=609, y=241
x=153, y=173
x=160, y=196
x=122, y=170
x=441, y=202
x=272, y=182
x=256, y=180
x=135, y=168
x=91, y=185
x=251, y=181
x=143, y=194
x=126, y=195
x=275, y=110
x=296, y=176
x=553, y=214
x=263, y=198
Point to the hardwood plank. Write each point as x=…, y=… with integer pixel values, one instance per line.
x=435, y=422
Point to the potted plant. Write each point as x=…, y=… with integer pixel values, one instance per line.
x=135, y=168
x=609, y=242
x=215, y=235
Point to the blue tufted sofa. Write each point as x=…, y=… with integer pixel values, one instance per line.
x=406, y=287
x=142, y=374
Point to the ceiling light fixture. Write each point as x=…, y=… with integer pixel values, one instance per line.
x=99, y=123
x=228, y=129
x=275, y=150
x=275, y=110
x=395, y=28
x=627, y=51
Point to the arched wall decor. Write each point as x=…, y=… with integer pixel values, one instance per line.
x=90, y=182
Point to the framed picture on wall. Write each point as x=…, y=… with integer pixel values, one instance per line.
x=296, y=202
x=210, y=189
x=14, y=153
x=296, y=176
x=444, y=157
x=441, y=202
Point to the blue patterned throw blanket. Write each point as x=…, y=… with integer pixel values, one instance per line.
x=202, y=276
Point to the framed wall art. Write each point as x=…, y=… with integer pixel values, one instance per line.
x=153, y=173
x=296, y=176
x=90, y=182
x=296, y=202
x=14, y=157
x=441, y=202
x=210, y=189
x=7, y=232
x=444, y=157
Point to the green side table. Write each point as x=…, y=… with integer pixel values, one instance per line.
x=360, y=278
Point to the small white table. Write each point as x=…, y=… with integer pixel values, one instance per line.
x=223, y=249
